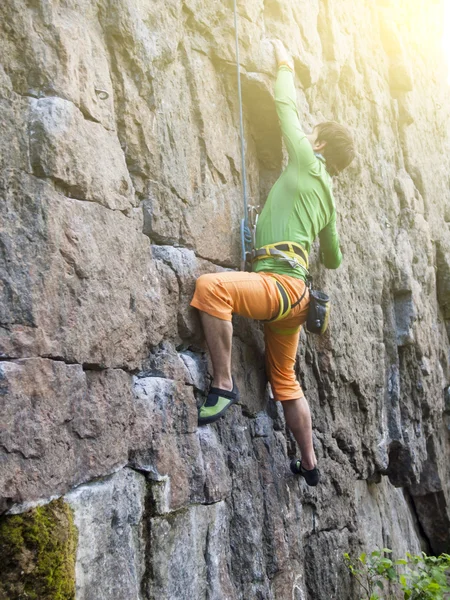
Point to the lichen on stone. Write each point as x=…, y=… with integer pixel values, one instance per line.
x=37, y=554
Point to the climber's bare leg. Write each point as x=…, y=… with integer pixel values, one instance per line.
x=218, y=334
x=298, y=419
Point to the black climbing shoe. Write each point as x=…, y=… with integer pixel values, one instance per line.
x=312, y=476
x=216, y=404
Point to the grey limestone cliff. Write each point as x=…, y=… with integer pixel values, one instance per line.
x=120, y=183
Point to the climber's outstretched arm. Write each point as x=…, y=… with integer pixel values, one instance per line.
x=298, y=147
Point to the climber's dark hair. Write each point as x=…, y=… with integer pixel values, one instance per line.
x=340, y=149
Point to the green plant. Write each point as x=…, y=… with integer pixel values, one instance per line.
x=419, y=577
x=427, y=577
x=38, y=553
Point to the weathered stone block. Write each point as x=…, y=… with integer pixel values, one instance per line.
x=79, y=284
x=67, y=290
x=189, y=555
x=385, y=519
x=187, y=267
x=443, y=277
x=164, y=442
x=164, y=362
x=163, y=214
x=60, y=426
x=108, y=515
x=217, y=479
x=64, y=147
x=405, y=316
x=73, y=69
x=13, y=126
x=195, y=370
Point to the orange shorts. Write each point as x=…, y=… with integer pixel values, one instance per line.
x=255, y=295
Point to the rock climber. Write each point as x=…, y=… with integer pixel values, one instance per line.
x=299, y=207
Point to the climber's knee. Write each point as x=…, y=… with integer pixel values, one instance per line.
x=210, y=297
x=204, y=287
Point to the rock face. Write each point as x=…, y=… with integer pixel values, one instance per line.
x=120, y=183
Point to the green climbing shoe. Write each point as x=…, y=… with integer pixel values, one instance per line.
x=312, y=476
x=216, y=404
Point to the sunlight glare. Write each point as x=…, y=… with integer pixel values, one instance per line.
x=446, y=36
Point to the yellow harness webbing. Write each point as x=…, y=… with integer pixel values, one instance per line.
x=285, y=302
x=291, y=252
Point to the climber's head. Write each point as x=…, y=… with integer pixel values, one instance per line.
x=335, y=143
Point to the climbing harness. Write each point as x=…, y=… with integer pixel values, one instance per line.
x=247, y=235
x=291, y=252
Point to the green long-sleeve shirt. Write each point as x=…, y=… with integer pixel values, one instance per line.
x=300, y=205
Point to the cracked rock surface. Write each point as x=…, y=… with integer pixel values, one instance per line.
x=120, y=184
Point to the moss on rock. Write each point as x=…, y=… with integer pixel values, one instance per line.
x=37, y=554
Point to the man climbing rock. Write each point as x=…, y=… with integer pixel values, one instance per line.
x=299, y=207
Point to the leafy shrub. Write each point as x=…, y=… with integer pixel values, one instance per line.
x=418, y=577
